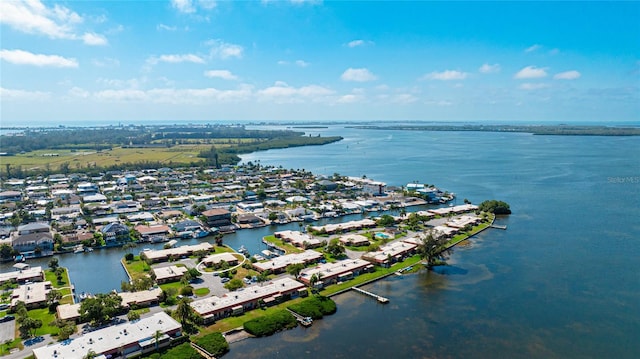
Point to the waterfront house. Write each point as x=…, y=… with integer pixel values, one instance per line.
x=115, y=234
x=168, y=274
x=33, y=237
x=216, y=260
x=235, y=303
x=218, y=217
x=23, y=273
x=298, y=239
x=391, y=253
x=123, y=340
x=33, y=295
x=330, y=273
x=143, y=298
x=163, y=255
x=153, y=233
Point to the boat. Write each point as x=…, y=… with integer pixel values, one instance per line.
x=19, y=258
x=88, y=249
x=306, y=321
x=258, y=257
x=243, y=250
x=78, y=249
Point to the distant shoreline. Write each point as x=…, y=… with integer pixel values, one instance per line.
x=546, y=130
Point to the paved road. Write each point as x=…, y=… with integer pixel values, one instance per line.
x=7, y=331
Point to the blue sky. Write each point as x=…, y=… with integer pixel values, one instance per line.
x=193, y=60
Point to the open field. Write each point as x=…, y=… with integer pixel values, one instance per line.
x=85, y=158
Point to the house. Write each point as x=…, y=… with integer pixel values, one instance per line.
x=234, y=303
x=10, y=196
x=33, y=295
x=143, y=298
x=218, y=217
x=355, y=240
x=330, y=273
x=152, y=232
x=123, y=340
x=168, y=274
x=392, y=252
x=298, y=239
x=115, y=234
x=33, y=237
x=279, y=264
x=249, y=220
x=216, y=260
x=24, y=274
x=178, y=252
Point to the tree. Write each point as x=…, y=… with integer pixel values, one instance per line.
x=386, y=221
x=273, y=216
x=53, y=296
x=234, y=284
x=184, y=310
x=133, y=315
x=91, y=354
x=495, y=207
x=432, y=248
x=295, y=269
x=6, y=251
x=59, y=273
x=335, y=248
x=53, y=264
x=101, y=309
x=29, y=326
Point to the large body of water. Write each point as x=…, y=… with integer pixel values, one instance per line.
x=562, y=281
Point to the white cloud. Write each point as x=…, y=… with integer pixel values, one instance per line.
x=489, y=69
x=350, y=98
x=222, y=74
x=20, y=57
x=358, y=75
x=224, y=50
x=91, y=38
x=106, y=62
x=530, y=72
x=280, y=92
x=567, y=75
x=208, y=4
x=356, y=43
x=78, y=92
x=175, y=59
x=533, y=48
x=447, y=75
x=57, y=22
x=183, y=6
x=22, y=95
x=404, y=98
x=166, y=27
x=532, y=86
x=301, y=63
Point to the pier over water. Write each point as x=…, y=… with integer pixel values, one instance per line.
x=380, y=299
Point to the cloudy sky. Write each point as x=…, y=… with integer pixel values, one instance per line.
x=202, y=60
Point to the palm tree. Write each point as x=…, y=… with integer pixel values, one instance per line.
x=157, y=336
x=184, y=310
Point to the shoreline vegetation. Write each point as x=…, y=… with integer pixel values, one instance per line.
x=90, y=150
x=547, y=130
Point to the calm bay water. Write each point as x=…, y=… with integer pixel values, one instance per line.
x=562, y=281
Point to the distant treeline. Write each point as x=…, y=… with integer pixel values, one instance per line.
x=140, y=136
x=559, y=130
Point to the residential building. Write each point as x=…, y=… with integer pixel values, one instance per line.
x=125, y=340
x=115, y=234
x=330, y=273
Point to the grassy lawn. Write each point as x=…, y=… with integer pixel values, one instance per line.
x=200, y=292
x=46, y=318
x=137, y=268
x=67, y=293
x=365, y=277
x=462, y=236
x=176, y=285
x=288, y=248
x=6, y=347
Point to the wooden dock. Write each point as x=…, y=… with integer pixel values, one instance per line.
x=305, y=321
x=496, y=226
x=377, y=297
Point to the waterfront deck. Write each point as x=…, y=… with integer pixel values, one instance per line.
x=379, y=298
x=497, y=226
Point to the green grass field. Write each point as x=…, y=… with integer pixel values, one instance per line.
x=86, y=158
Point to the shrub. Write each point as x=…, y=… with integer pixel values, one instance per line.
x=270, y=324
x=315, y=307
x=214, y=343
x=187, y=291
x=129, y=257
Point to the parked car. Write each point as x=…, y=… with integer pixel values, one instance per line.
x=225, y=280
x=7, y=318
